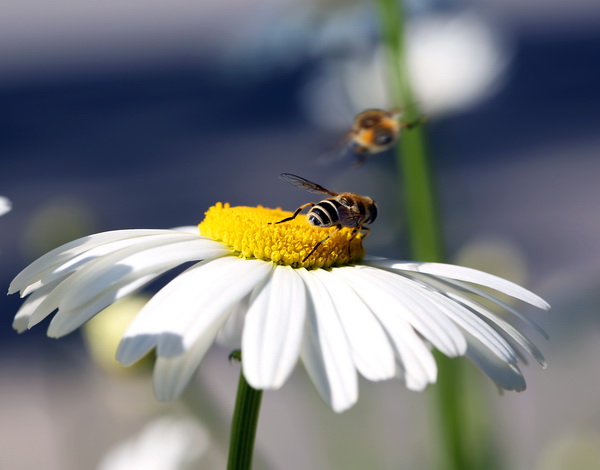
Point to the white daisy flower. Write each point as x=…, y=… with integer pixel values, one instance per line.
x=5, y=205
x=166, y=443
x=249, y=287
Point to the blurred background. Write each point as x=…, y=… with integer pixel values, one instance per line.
x=142, y=114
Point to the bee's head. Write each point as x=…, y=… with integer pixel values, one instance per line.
x=372, y=213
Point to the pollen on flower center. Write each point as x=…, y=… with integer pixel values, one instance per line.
x=252, y=233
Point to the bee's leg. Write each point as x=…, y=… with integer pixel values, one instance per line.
x=352, y=236
x=357, y=230
x=360, y=161
x=410, y=125
x=293, y=216
x=367, y=231
x=361, y=157
x=321, y=242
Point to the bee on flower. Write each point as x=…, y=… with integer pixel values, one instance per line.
x=264, y=287
x=340, y=210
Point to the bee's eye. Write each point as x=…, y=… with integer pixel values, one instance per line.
x=385, y=138
x=373, y=214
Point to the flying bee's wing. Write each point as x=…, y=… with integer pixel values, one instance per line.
x=302, y=183
x=338, y=151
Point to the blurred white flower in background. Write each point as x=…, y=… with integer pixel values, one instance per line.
x=5, y=205
x=495, y=254
x=454, y=61
x=578, y=449
x=167, y=443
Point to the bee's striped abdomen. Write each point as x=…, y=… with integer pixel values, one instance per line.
x=325, y=213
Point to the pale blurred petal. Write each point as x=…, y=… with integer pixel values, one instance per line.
x=5, y=205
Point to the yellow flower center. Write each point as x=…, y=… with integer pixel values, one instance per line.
x=251, y=232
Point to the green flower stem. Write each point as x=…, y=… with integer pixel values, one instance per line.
x=243, y=426
x=453, y=417
x=419, y=195
x=425, y=234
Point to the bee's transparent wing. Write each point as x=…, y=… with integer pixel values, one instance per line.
x=302, y=183
x=350, y=218
x=341, y=150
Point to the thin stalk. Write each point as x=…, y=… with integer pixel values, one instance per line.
x=425, y=234
x=243, y=426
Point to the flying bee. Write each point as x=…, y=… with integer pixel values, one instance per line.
x=340, y=210
x=377, y=130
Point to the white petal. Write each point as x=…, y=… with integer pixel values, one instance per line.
x=49, y=303
x=153, y=256
x=62, y=271
x=195, y=315
x=503, y=325
x=80, y=261
x=210, y=292
x=69, y=250
x=372, y=353
x=35, y=285
x=192, y=302
x=480, y=292
x=273, y=329
x=65, y=322
x=486, y=348
x=142, y=334
x=418, y=310
x=230, y=334
x=192, y=229
x=465, y=308
x=30, y=305
x=99, y=274
x=469, y=275
x=325, y=350
x=418, y=362
x=470, y=323
x=172, y=374
x=506, y=375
